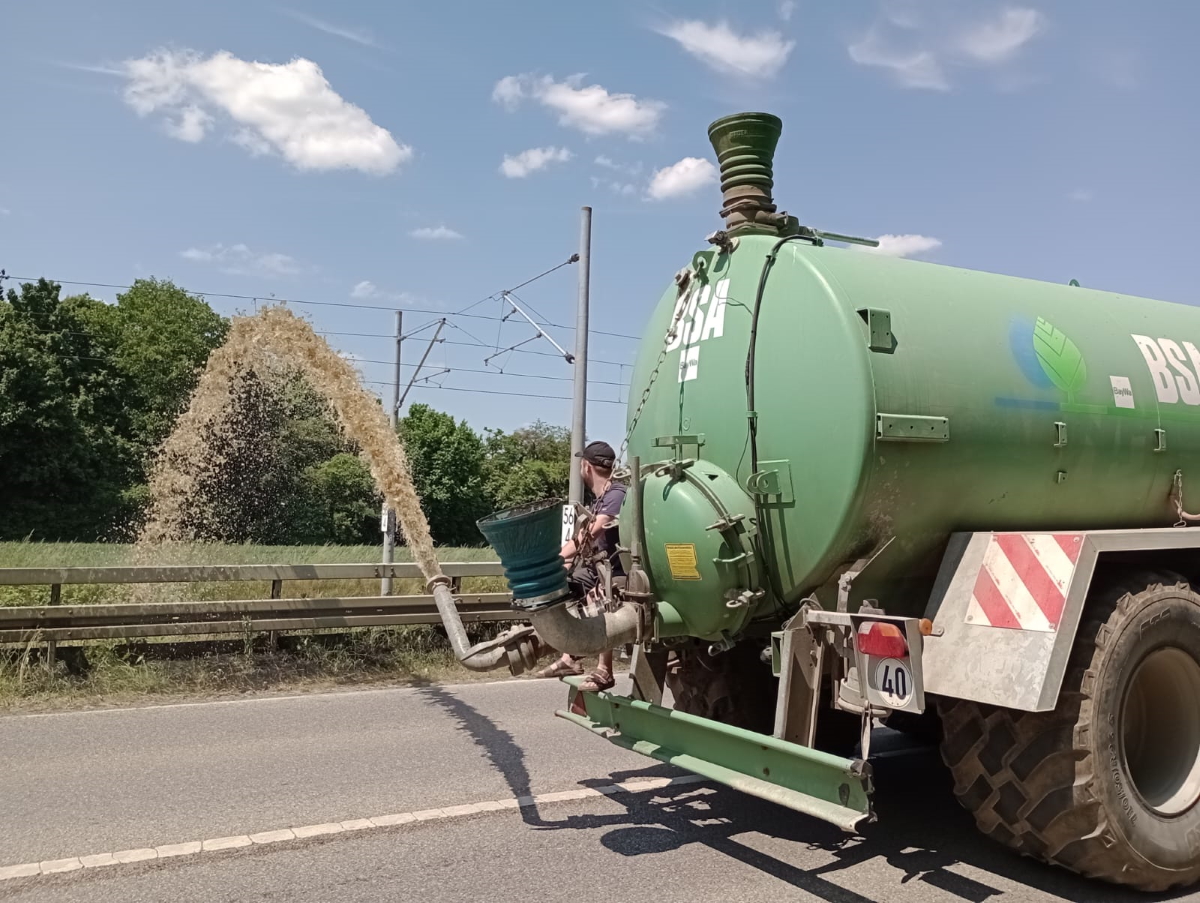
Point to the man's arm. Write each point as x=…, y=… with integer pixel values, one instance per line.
x=595, y=527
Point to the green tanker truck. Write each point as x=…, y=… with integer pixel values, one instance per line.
x=865, y=489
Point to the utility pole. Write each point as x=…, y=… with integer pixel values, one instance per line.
x=389, y=514
x=579, y=408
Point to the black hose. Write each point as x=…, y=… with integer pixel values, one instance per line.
x=751, y=413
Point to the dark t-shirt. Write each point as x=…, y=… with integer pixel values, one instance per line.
x=606, y=542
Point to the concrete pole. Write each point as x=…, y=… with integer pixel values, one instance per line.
x=389, y=514
x=579, y=409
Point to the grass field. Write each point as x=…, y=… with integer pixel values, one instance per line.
x=114, y=672
x=70, y=554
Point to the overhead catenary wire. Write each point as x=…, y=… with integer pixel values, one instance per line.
x=342, y=304
x=375, y=382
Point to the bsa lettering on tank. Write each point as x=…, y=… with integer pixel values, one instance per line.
x=699, y=315
x=1168, y=362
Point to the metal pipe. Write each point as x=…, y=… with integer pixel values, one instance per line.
x=389, y=514
x=558, y=628
x=474, y=658
x=579, y=404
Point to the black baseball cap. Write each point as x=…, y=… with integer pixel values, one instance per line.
x=598, y=453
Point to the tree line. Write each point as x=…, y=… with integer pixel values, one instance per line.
x=90, y=389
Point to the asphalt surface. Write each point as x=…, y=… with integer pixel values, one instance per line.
x=83, y=783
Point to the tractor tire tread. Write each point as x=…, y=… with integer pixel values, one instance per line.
x=1026, y=776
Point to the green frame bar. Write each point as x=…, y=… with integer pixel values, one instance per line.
x=825, y=786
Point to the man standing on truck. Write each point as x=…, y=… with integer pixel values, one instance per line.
x=601, y=535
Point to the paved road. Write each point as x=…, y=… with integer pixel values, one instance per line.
x=91, y=783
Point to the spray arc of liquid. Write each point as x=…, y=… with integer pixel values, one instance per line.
x=260, y=342
x=275, y=338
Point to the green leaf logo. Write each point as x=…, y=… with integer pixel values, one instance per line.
x=1060, y=358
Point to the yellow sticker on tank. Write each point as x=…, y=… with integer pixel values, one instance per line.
x=681, y=559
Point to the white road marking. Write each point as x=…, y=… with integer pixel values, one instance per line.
x=239, y=841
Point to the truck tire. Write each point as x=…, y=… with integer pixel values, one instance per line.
x=735, y=687
x=738, y=688
x=1106, y=784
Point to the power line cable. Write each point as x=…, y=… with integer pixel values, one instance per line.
x=342, y=304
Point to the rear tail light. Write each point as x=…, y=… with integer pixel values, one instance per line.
x=881, y=639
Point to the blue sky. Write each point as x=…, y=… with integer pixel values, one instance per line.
x=426, y=156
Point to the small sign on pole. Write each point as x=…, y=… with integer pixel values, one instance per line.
x=568, y=522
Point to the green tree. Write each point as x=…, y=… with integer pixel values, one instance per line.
x=446, y=457
x=64, y=453
x=164, y=337
x=345, y=496
x=526, y=465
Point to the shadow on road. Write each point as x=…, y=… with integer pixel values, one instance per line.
x=922, y=833
x=498, y=744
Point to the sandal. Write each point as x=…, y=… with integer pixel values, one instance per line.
x=560, y=669
x=596, y=681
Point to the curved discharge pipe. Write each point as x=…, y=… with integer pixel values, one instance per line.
x=586, y=636
x=556, y=627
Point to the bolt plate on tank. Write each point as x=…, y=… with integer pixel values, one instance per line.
x=911, y=428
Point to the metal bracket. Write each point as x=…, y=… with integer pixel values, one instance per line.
x=847, y=579
x=911, y=428
x=774, y=479
x=1060, y=434
x=1160, y=440
x=879, y=329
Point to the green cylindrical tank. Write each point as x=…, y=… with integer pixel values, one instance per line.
x=892, y=400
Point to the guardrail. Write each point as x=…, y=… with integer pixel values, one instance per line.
x=56, y=622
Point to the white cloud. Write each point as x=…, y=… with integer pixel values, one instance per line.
x=357, y=35
x=609, y=163
x=240, y=260
x=901, y=245
x=510, y=91
x=191, y=126
x=436, y=233
x=288, y=108
x=919, y=69
x=682, y=178
x=590, y=109
x=786, y=8
x=997, y=41
x=366, y=290
x=1081, y=195
x=721, y=48
x=532, y=160
x=919, y=46
x=626, y=189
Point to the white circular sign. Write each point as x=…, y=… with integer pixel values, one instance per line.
x=894, y=681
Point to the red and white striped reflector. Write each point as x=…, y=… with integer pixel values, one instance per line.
x=1024, y=580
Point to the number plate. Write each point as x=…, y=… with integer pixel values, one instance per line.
x=568, y=522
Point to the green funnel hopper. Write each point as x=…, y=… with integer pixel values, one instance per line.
x=528, y=540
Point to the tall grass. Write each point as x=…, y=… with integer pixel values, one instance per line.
x=73, y=554
x=113, y=672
